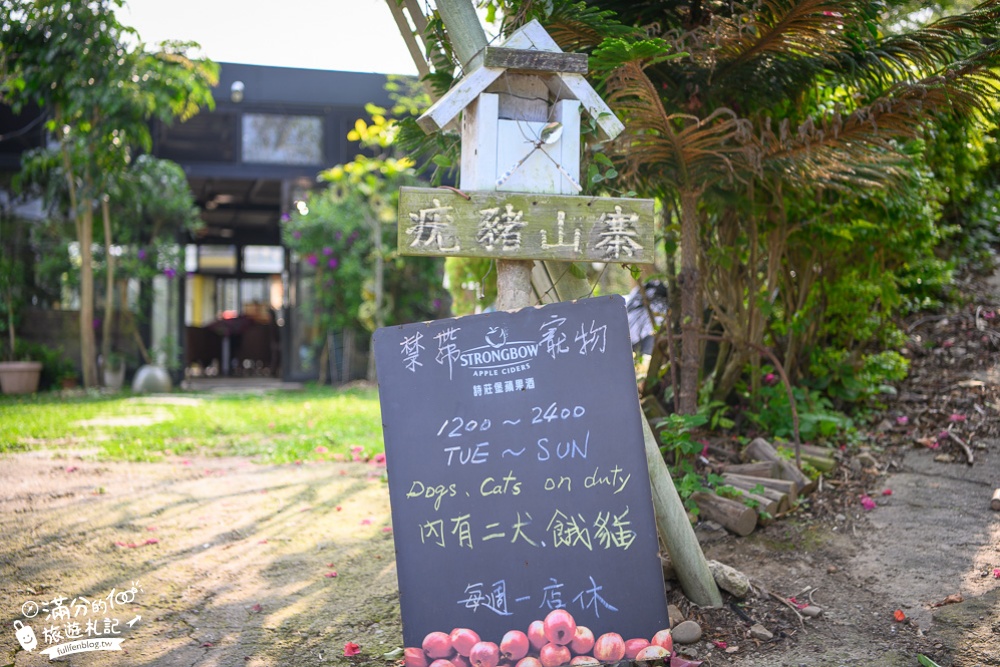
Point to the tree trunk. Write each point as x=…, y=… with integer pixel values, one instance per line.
x=109, y=287
x=689, y=281
x=88, y=342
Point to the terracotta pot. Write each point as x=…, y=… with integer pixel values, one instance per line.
x=20, y=377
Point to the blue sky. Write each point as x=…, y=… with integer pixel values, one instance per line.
x=351, y=35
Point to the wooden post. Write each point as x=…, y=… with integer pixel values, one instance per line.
x=675, y=529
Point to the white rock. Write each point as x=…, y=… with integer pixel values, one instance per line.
x=729, y=579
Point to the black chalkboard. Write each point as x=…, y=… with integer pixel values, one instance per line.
x=517, y=474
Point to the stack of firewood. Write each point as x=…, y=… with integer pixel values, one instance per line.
x=769, y=480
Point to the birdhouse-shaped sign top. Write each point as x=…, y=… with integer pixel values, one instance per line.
x=521, y=116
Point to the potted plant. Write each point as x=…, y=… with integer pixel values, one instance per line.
x=17, y=375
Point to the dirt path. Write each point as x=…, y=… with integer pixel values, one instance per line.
x=233, y=561
x=233, y=565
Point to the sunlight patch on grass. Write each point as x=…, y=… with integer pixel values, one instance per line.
x=278, y=427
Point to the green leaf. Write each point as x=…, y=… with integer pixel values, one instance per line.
x=926, y=662
x=394, y=654
x=576, y=271
x=442, y=161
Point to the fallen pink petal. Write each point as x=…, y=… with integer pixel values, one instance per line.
x=71, y=468
x=887, y=492
x=256, y=607
x=902, y=420
x=720, y=644
x=379, y=459
x=366, y=522
x=350, y=648
x=151, y=528
x=996, y=573
x=339, y=508
x=357, y=449
x=330, y=575
x=152, y=540
x=321, y=449
x=678, y=661
x=955, y=417
x=264, y=541
x=387, y=529
x=867, y=503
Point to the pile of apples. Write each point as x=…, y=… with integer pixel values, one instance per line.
x=554, y=642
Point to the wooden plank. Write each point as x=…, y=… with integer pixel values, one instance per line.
x=455, y=100
x=576, y=87
x=516, y=225
x=534, y=60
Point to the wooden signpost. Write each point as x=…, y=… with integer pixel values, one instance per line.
x=525, y=226
x=518, y=457
x=517, y=475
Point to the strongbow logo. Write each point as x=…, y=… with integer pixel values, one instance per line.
x=498, y=353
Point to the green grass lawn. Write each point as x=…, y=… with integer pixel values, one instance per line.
x=277, y=427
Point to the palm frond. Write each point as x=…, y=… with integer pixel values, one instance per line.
x=683, y=148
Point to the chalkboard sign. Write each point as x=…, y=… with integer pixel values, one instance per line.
x=517, y=474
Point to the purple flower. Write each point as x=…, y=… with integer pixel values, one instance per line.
x=296, y=235
x=170, y=273
x=312, y=259
x=142, y=253
x=285, y=217
x=770, y=379
x=332, y=263
x=327, y=250
x=338, y=235
x=902, y=420
x=97, y=323
x=437, y=304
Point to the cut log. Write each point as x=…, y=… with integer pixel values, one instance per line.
x=784, y=503
x=788, y=472
x=760, y=449
x=764, y=505
x=758, y=469
x=818, y=457
x=995, y=502
x=820, y=463
x=733, y=515
x=782, y=485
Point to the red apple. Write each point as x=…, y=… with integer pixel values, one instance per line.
x=652, y=652
x=463, y=639
x=528, y=662
x=609, y=647
x=437, y=645
x=583, y=641
x=633, y=646
x=536, y=635
x=514, y=645
x=559, y=627
x=663, y=638
x=584, y=660
x=414, y=657
x=484, y=654
x=554, y=655
x=460, y=660
x=441, y=662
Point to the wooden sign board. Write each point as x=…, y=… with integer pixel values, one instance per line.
x=517, y=473
x=512, y=225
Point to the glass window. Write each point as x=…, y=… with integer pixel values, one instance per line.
x=263, y=259
x=217, y=258
x=278, y=139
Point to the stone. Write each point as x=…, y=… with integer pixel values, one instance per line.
x=812, y=611
x=151, y=380
x=730, y=579
x=686, y=632
x=761, y=633
x=675, y=615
